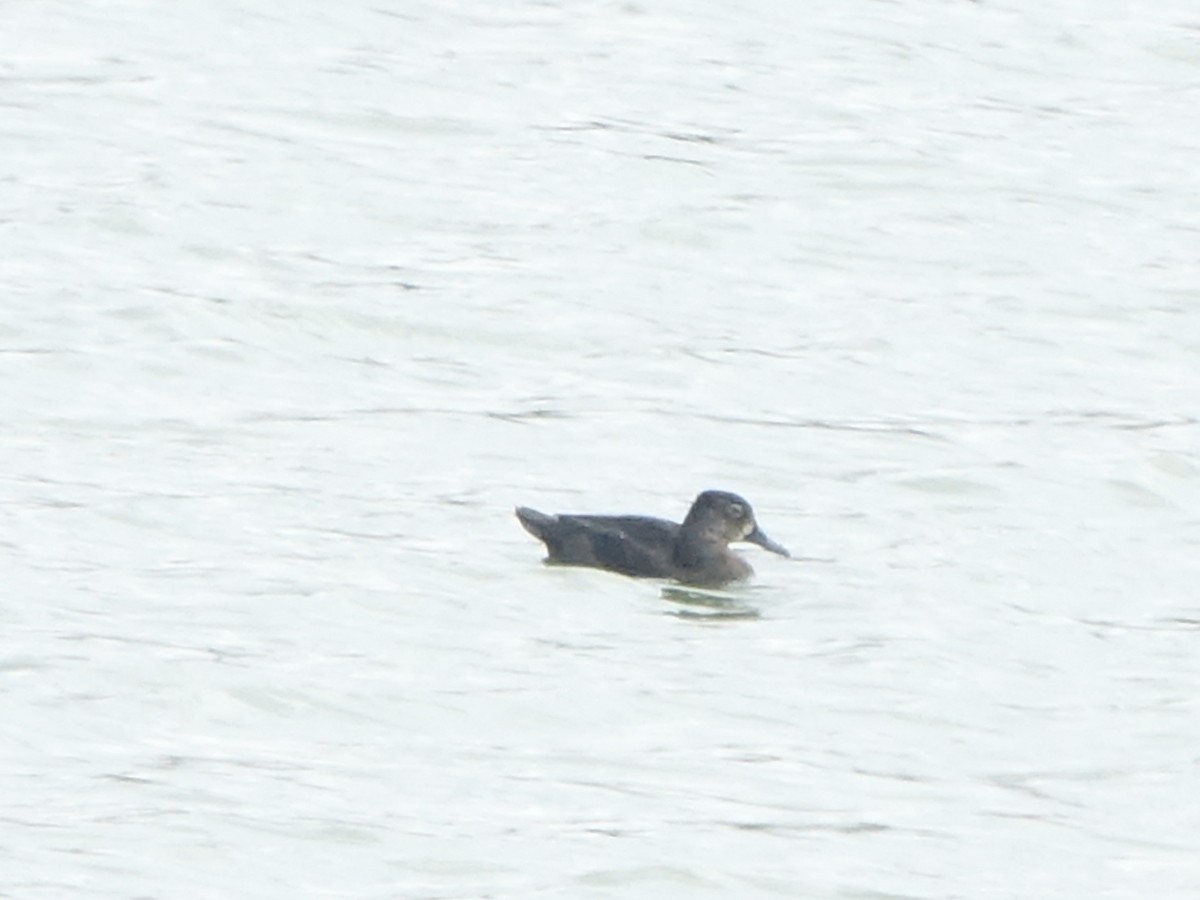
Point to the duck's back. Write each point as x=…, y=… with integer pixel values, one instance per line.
x=641, y=546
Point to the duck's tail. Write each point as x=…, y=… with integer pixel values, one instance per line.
x=535, y=522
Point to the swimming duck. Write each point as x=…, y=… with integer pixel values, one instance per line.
x=696, y=552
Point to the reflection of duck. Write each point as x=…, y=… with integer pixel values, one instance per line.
x=696, y=552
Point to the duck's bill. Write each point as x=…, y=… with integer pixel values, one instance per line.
x=757, y=537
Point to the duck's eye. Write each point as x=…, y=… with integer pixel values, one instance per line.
x=737, y=510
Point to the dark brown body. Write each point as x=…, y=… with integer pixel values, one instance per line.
x=695, y=552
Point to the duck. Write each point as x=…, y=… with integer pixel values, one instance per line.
x=695, y=552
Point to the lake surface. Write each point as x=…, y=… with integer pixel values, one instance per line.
x=300, y=301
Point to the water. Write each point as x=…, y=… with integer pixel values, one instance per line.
x=298, y=304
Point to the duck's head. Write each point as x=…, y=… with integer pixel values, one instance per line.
x=730, y=518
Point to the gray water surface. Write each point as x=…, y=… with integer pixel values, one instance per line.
x=300, y=300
